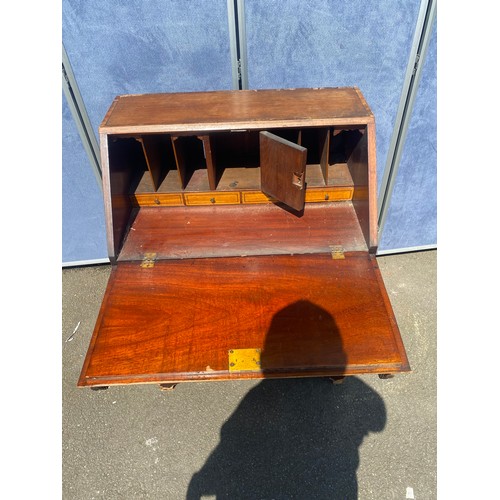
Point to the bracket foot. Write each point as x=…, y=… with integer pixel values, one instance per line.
x=336, y=380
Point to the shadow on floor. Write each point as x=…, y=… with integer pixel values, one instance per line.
x=293, y=438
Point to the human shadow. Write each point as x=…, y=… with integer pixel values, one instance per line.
x=294, y=438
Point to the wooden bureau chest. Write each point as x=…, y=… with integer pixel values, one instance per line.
x=242, y=231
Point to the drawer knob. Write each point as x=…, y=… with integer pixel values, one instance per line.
x=212, y=200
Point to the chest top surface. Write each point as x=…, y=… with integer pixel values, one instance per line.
x=223, y=110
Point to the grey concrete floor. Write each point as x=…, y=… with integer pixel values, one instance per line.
x=275, y=439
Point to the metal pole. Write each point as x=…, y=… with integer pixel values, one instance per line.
x=423, y=32
x=233, y=43
x=80, y=116
x=242, y=39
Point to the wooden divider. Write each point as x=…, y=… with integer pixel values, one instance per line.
x=188, y=152
x=158, y=157
x=229, y=160
x=209, y=152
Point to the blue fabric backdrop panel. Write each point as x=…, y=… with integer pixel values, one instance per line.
x=136, y=46
x=412, y=216
x=83, y=227
x=120, y=47
x=334, y=43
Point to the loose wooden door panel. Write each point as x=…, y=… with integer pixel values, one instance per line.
x=283, y=170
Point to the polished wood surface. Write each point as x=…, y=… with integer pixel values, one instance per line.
x=308, y=315
x=236, y=109
x=235, y=230
x=214, y=280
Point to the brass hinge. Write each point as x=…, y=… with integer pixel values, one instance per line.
x=148, y=260
x=337, y=252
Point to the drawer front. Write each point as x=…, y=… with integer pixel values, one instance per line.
x=331, y=194
x=158, y=199
x=255, y=197
x=212, y=198
x=245, y=197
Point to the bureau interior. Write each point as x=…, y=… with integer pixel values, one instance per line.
x=230, y=160
x=188, y=167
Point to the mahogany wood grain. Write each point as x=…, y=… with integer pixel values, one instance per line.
x=235, y=109
x=235, y=230
x=283, y=170
x=397, y=335
x=308, y=314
